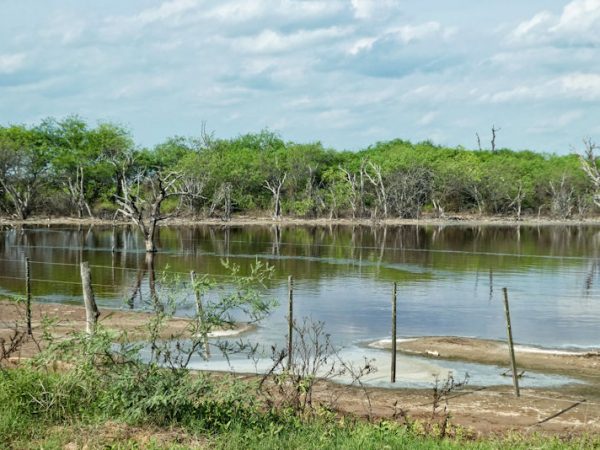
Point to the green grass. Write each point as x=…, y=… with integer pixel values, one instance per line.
x=49, y=410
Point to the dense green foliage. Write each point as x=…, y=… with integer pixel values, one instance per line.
x=66, y=167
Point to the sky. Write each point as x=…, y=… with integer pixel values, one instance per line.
x=347, y=73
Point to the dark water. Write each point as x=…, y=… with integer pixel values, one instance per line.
x=344, y=275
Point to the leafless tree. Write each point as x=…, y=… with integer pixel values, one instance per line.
x=409, y=190
x=478, y=141
x=274, y=185
x=563, y=195
x=354, y=196
x=76, y=189
x=142, y=198
x=516, y=202
x=376, y=179
x=473, y=189
x=590, y=167
x=222, y=197
x=493, y=142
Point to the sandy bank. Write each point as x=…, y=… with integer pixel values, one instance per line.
x=584, y=365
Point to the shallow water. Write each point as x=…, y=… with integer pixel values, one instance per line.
x=449, y=278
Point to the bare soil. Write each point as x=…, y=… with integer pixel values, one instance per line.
x=248, y=220
x=66, y=318
x=583, y=365
x=482, y=410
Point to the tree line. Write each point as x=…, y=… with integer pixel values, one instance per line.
x=68, y=168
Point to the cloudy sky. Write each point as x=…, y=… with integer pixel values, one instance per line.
x=345, y=72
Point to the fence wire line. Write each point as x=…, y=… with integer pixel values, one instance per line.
x=379, y=247
x=132, y=269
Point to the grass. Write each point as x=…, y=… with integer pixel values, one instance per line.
x=57, y=410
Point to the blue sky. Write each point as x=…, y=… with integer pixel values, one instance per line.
x=345, y=72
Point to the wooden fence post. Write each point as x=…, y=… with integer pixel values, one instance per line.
x=394, y=298
x=200, y=311
x=511, y=348
x=91, y=309
x=290, y=319
x=28, y=295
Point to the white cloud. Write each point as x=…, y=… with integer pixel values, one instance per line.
x=583, y=85
x=579, y=16
x=10, y=63
x=579, y=23
x=368, y=9
x=580, y=86
x=245, y=10
x=536, y=22
x=410, y=33
x=165, y=11
x=404, y=34
x=269, y=41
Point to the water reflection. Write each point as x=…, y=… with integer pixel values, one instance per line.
x=449, y=276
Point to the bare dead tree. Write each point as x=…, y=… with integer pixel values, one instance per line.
x=376, y=179
x=354, y=197
x=409, y=190
x=207, y=140
x=76, y=189
x=493, y=142
x=563, y=195
x=589, y=166
x=274, y=185
x=142, y=198
x=222, y=197
x=478, y=141
x=517, y=201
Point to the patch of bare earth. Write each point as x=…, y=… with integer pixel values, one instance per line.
x=66, y=319
x=564, y=411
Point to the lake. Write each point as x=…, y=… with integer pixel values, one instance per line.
x=450, y=278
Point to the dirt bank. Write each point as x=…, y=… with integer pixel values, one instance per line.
x=462, y=219
x=66, y=319
x=493, y=410
x=584, y=365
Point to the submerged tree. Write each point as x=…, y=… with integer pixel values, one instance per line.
x=142, y=198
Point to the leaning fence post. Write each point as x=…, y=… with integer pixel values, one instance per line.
x=290, y=319
x=394, y=297
x=200, y=311
x=28, y=294
x=511, y=348
x=91, y=309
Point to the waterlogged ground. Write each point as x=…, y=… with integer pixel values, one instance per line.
x=449, y=278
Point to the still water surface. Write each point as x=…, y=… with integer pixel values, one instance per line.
x=449, y=278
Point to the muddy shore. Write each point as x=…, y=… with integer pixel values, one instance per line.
x=584, y=365
x=483, y=410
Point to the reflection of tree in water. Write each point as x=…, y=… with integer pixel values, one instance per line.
x=146, y=269
x=593, y=265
